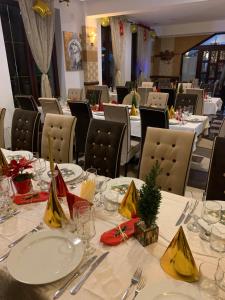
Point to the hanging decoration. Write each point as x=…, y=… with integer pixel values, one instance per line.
x=133, y=28
x=41, y=8
x=145, y=35
x=105, y=22
x=121, y=28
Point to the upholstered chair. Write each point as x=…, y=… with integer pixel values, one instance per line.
x=104, y=93
x=75, y=94
x=82, y=111
x=93, y=96
x=130, y=85
x=157, y=99
x=130, y=147
x=26, y=102
x=122, y=91
x=183, y=100
x=200, y=101
x=2, y=117
x=25, y=130
x=173, y=150
x=147, y=84
x=103, y=147
x=186, y=85
x=164, y=83
x=152, y=117
x=61, y=129
x=50, y=105
x=172, y=96
x=128, y=98
x=215, y=189
x=143, y=92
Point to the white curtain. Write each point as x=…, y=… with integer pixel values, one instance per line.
x=40, y=35
x=118, y=45
x=143, y=54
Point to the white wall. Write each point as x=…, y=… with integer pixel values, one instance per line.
x=6, y=97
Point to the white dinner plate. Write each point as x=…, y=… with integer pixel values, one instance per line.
x=69, y=172
x=44, y=256
x=17, y=154
x=193, y=119
x=169, y=290
x=174, y=122
x=98, y=113
x=121, y=185
x=136, y=118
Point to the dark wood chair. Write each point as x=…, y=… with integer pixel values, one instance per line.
x=172, y=96
x=183, y=100
x=26, y=102
x=93, y=96
x=122, y=91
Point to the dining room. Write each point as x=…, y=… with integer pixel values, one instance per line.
x=112, y=138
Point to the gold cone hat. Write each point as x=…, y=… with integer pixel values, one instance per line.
x=3, y=161
x=128, y=207
x=177, y=261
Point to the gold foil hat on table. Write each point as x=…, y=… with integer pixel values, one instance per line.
x=177, y=261
x=128, y=207
x=3, y=161
x=87, y=190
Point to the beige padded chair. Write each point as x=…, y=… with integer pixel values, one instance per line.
x=51, y=106
x=105, y=93
x=173, y=150
x=158, y=100
x=186, y=85
x=2, y=117
x=120, y=113
x=143, y=92
x=61, y=130
x=75, y=94
x=128, y=98
x=200, y=101
x=147, y=84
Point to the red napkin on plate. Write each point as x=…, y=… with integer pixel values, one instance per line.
x=30, y=198
x=114, y=236
x=60, y=184
x=74, y=200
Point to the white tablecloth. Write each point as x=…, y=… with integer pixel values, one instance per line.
x=211, y=106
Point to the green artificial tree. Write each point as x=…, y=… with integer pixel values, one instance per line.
x=134, y=100
x=181, y=89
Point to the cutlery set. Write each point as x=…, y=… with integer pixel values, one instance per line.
x=186, y=217
x=4, y=218
x=136, y=279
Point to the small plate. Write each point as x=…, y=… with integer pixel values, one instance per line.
x=44, y=257
x=18, y=155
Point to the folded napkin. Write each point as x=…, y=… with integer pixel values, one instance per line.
x=30, y=198
x=120, y=233
x=60, y=184
x=177, y=261
x=87, y=189
x=74, y=200
x=128, y=207
x=133, y=111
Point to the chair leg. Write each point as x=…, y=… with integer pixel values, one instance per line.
x=125, y=169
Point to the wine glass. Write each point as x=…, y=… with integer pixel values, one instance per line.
x=220, y=277
x=100, y=188
x=6, y=205
x=84, y=219
x=211, y=214
x=39, y=166
x=193, y=226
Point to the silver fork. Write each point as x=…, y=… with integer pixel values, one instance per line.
x=140, y=286
x=134, y=280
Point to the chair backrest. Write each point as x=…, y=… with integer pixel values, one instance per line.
x=152, y=117
x=186, y=85
x=172, y=96
x=157, y=99
x=120, y=113
x=75, y=94
x=93, y=96
x=82, y=111
x=61, y=129
x=200, y=101
x=173, y=150
x=143, y=92
x=130, y=85
x=25, y=130
x=128, y=98
x=26, y=102
x=51, y=106
x=2, y=117
x=147, y=84
x=215, y=189
x=103, y=147
x=104, y=93
x=122, y=91
x=183, y=100
x=164, y=83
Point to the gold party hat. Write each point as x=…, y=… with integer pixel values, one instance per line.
x=3, y=161
x=133, y=111
x=128, y=207
x=177, y=261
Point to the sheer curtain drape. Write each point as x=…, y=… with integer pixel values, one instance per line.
x=143, y=54
x=118, y=42
x=40, y=35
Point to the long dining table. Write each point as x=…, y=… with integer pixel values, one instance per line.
x=113, y=275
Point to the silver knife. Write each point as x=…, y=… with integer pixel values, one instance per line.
x=189, y=216
x=83, y=268
x=77, y=287
x=182, y=216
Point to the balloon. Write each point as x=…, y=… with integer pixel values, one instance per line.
x=105, y=22
x=41, y=8
x=133, y=28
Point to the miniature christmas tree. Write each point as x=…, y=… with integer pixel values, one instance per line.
x=134, y=100
x=181, y=89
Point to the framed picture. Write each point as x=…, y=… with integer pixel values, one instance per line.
x=73, y=51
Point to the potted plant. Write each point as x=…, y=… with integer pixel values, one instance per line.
x=15, y=170
x=148, y=208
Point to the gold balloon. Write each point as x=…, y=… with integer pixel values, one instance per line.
x=133, y=28
x=105, y=22
x=41, y=8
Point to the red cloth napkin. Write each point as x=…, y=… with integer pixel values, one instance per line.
x=61, y=187
x=30, y=198
x=113, y=237
x=74, y=200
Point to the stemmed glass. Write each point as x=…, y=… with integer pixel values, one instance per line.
x=193, y=226
x=211, y=214
x=100, y=188
x=39, y=166
x=220, y=277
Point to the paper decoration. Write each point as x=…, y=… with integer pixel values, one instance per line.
x=87, y=190
x=74, y=200
x=41, y=8
x=128, y=207
x=177, y=261
x=61, y=187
